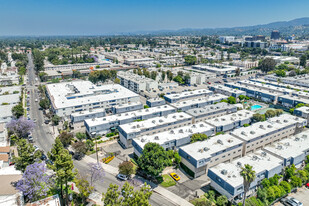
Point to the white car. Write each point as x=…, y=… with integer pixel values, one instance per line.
x=122, y=177
x=295, y=201
x=36, y=100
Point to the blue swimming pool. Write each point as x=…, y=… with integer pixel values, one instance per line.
x=255, y=107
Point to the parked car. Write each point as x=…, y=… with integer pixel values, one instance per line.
x=46, y=121
x=36, y=148
x=295, y=201
x=43, y=157
x=36, y=100
x=122, y=177
x=288, y=202
x=48, y=161
x=30, y=138
x=175, y=176
x=208, y=82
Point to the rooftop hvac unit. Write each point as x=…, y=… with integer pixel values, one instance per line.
x=224, y=171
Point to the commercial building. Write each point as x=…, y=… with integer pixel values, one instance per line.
x=224, y=39
x=172, y=139
x=155, y=102
x=231, y=121
x=227, y=91
x=211, y=111
x=218, y=69
x=136, y=83
x=200, y=156
x=152, y=126
x=261, y=134
x=103, y=124
x=226, y=179
x=132, y=106
x=198, y=103
x=69, y=97
x=292, y=150
x=172, y=98
x=275, y=34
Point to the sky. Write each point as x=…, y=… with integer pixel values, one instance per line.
x=99, y=17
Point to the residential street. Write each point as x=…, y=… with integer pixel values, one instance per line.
x=43, y=138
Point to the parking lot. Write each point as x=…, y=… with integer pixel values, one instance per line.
x=302, y=195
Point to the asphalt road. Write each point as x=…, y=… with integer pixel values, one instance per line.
x=44, y=140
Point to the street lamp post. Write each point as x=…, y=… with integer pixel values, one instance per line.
x=96, y=146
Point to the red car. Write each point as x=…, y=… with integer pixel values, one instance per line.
x=208, y=83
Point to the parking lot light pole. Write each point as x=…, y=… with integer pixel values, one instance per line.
x=96, y=146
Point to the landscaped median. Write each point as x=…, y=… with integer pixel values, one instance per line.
x=106, y=160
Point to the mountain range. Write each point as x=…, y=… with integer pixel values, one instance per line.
x=298, y=27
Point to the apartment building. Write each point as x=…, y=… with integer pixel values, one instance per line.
x=226, y=179
x=261, y=134
x=292, y=150
x=198, y=103
x=211, y=111
x=302, y=112
x=227, y=91
x=103, y=124
x=200, y=156
x=152, y=126
x=173, y=98
x=291, y=101
x=69, y=97
x=265, y=95
x=218, y=69
x=299, y=80
x=132, y=106
x=172, y=139
x=136, y=83
x=154, y=102
x=231, y=121
x=77, y=117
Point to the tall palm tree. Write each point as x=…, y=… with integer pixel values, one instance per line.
x=249, y=176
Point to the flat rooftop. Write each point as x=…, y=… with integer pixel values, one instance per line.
x=228, y=89
x=154, y=122
x=88, y=112
x=10, y=98
x=210, y=109
x=214, y=97
x=259, y=160
x=208, y=148
x=10, y=90
x=120, y=106
x=230, y=118
x=292, y=146
x=76, y=93
x=271, y=125
x=117, y=117
x=174, y=134
x=6, y=110
x=257, y=89
x=189, y=94
x=303, y=109
x=294, y=98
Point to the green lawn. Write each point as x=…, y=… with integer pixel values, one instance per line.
x=168, y=181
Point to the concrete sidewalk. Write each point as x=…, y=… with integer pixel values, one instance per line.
x=106, y=167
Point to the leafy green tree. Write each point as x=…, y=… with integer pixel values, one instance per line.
x=63, y=166
x=222, y=200
x=26, y=155
x=163, y=75
x=262, y=195
x=126, y=168
x=179, y=79
x=66, y=138
x=248, y=175
x=84, y=188
x=56, y=119
x=198, y=137
x=286, y=186
x=267, y=64
x=258, y=117
x=295, y=181
x=127, y=196
x=280, y=73
x=231, y=100
x=153, y=75
x=18, y=111
x=289, y=172
x=44, y=103
x=154, y=159
x=80, y=148
x=81, y=136
x=169, y=75
x=241, y=97
x=190, y=60
x=117, y=81
x=303, y=175
x=265, y=183
x=303, y=60
x=55, y=150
